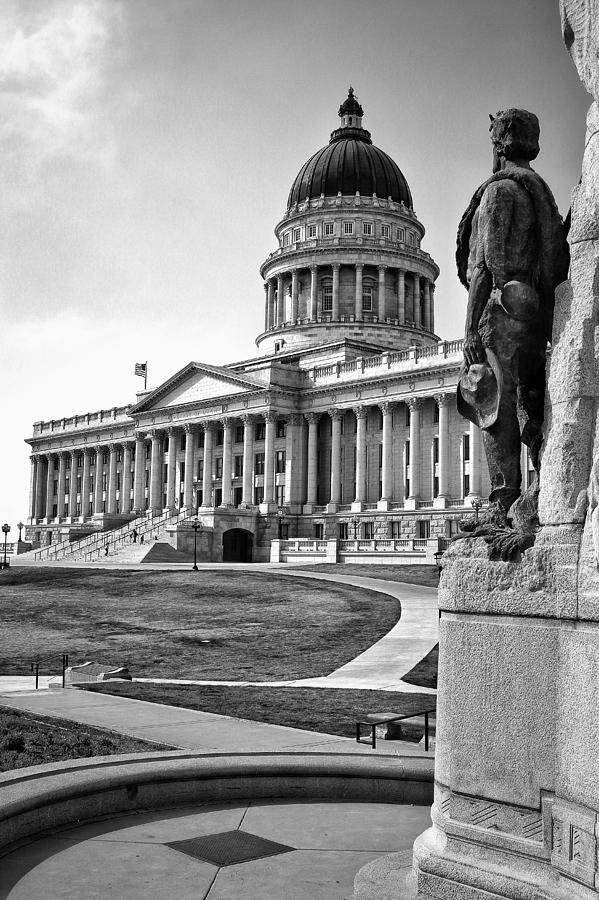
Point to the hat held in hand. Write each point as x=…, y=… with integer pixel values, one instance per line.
x=479, y=391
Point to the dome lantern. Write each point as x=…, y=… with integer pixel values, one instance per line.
x=350, y=112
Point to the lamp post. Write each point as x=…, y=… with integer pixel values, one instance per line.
x=280, y=514
x=438, y=557
x=356, y=523
x=20, y=526
x=197, y=526
x=5, y=529
x=477, y=503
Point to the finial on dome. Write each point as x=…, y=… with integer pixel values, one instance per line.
x=351, y=108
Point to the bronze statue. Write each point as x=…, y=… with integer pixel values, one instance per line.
x=511, y=255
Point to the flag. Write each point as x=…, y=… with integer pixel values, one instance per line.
x=141, y=369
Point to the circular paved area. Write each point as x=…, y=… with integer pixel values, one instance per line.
x=153, y=855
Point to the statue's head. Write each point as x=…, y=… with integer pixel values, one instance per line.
x=514, y=135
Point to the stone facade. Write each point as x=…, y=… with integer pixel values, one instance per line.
x=345, y=422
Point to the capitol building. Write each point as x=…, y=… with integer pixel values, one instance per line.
x=340, y=437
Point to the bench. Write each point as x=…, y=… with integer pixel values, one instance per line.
x=371, y=720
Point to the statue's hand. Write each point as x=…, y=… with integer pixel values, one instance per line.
x=474, y=351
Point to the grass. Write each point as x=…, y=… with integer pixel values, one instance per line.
x=327, y=710
x=27, y=740
x=425, y=575
x=424, y=673
x=210, y=625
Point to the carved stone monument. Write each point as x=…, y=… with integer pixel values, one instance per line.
x=516, y=810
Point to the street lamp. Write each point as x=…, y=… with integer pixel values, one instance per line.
x=438, y=557
x=20, y=526
x=5, y=529
x=356, y=523
x=280, y=514
x=477, y=503
x=197, y=526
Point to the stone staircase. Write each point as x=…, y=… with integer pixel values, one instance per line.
x=93, y=547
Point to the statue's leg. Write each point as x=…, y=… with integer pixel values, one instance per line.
x=502, y=448
x=531, y=397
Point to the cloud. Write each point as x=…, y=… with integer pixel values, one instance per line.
x=54, y=83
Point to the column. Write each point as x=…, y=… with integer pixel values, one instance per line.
x=280, y=301
x=125, y=499
x=32, y=482
x=417, y=318
x=335, y=315
x=171, y=471
x=335, y=497
x=190, y=434
x=358, y=304
x=475, y=465
x=62, y=475
x=266, y=305
x=401, y=296
x=207, y=499
x=443, y=401
x=270, y=293
x=387, y=469
x=432, y=306
x=360, y=413
x=293, y=463
x=269, y=459
x=247, y=494
x=427, y=305
x=98, y=484
x=73, y=486
x=50, y=486
x=382, y=306
x=156, y=463
x=85, y=482
x=294, y=295
x=139, y=475
x=227, y=462
x=111, y=504
x=313, y=293
x=312, y=487
x=39, y=487
x=415, y=405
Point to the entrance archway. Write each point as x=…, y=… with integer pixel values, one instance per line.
x=238, y=545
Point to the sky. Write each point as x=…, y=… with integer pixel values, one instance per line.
x=147, y=148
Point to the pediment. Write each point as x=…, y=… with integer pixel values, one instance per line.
x=196, y=384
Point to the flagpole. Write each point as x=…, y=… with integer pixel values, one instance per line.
x=146, y=376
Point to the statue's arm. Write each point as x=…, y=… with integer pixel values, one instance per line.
x=481, y=283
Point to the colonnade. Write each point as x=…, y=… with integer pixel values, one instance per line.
x=278, y=311
x=147, y=478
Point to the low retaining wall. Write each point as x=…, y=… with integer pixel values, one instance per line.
x=41, y=798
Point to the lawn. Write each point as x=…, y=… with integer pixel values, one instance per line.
x=425, y=575
x=328, y=710
x=211, y=625
x=28, y=740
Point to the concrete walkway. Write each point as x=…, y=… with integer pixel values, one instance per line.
x=189, y=729
x=139, y=857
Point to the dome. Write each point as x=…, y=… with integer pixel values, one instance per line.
x=350, y=163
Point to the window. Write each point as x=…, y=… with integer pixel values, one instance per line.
x=104, y=481
x=281, y=428
x=367, y=298
x=79, y=460
x=219, y=437
x=342, y=530
x=318, y=531
x=435, y=486
x=407, y=453
x=201, y=437
x=148, y=451
x=297, y=235
x=466, y=445
x=259, y=463
x=279, y=346
x=218, y=467
x=385, y=231
x=68, y=463
x=67, y=485
x=368, y=531
x=118, y=481
x=280, y=462
x=55, y=488
x=401, y=235
x=165, y=475
x=260, y=431
x=238, y=466
x=91, y=484
x=280, y=494
x=327, y=298
x=407, y=416
x=466, y=485
x=286, y=239
x=105, y=457
x=367, y=228
x=147, y=478
x=239, y=434
x=119, y=455
x=435, y=449
x=411, y=240
x=78, y=484
x=348, y=228
x=312, y=231
x=258, y=495
x=424, y=529
x=200, y=469
x=396, y=530
x=329, y=229
x=435, y=412
x=183, y=441
x=166, y=444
